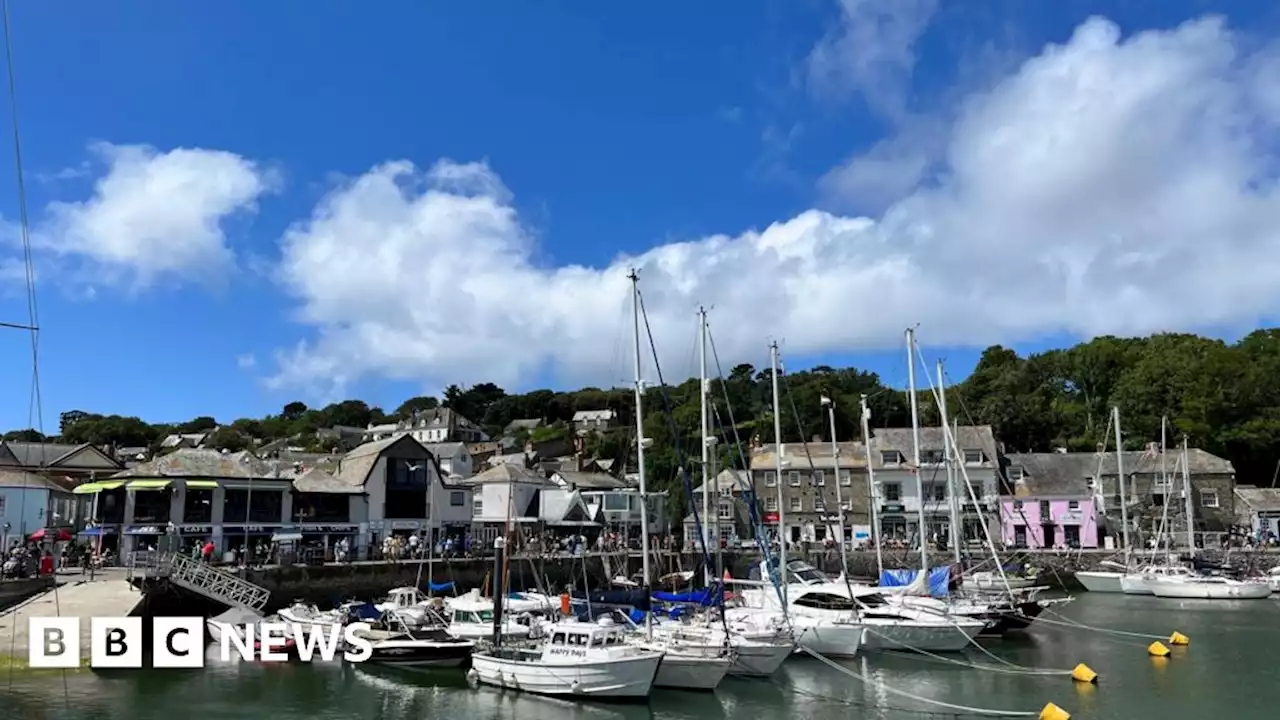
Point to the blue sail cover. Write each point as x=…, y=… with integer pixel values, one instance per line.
x=706, y=596
x=939, y=579
x=439, y=587
x=636, y=598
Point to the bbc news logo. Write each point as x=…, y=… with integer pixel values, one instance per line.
x=178, y=642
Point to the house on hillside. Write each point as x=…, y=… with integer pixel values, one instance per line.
x=437, y=425
x=808, y=489
x=1259, y=510
x=30, y=502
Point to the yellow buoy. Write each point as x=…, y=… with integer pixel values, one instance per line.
x=1085, y=674
x=1158, y=649
x=1178, y=638
x=1053, y=712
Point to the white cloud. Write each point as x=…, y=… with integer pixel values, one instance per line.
x=871, y=51
x=247, y=361
x=1109, y=185
x=155, y=214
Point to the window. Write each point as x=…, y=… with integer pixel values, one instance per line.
x=406, y=488
x=1015, y=472
x=1209, y=498
x=1017, y=504
x=771, y=504
x=320, y=508
x=846, y=504
x=197, y=506
x=1045, y=512
x=891, y=457
x=795, y=504
x=819, y=504
x=477, y=506
x=847, y=478
x=457, y=498
x=940, y=493
x=793, y=478
x=892, y=492
x=2, y=508
x=819, y=478
x=973, y=457
x=770, y=479
x=726, y=491
x=726, y=510
x=1073, y=505
x=932, y=457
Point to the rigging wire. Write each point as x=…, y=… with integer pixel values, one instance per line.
x=35, y=415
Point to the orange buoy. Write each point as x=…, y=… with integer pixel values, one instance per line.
x=564, y=604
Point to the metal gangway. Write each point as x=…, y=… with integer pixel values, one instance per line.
x=199, y=577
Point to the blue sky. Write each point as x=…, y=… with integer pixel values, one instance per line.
x=874, y=137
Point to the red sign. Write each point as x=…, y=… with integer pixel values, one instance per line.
x=771, y=518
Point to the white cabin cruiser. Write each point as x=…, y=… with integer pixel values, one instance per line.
x=398, y=642
x=1104, y=581
x=470, y=616
x=576, y=659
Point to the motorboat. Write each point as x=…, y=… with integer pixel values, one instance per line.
x=471, y=616
x=987, y=580
x=575, y=659
x=689, y=664
x=1139, y=583
x=1209, y=588
x=759, y=642
x=399, y=641
x=1104, y=581
x=1273, y=579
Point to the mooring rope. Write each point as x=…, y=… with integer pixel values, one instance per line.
x=969, y=709
x=1010, y=669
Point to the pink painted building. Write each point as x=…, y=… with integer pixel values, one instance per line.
x=1052, y=503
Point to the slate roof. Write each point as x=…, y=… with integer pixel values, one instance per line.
x=207, y=463
x=1054, y=474
x=319, y=480
x=726, y=480
x=590, y=480
x=34, y=454
x=968, y=437
x=506, y=473
x=1199, y=462
x=852, y=455
x=1259, y=499
x=23, y=479
x=446, y=450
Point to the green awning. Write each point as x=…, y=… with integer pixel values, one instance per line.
x=110, y=484
x=149, y=484
x=201, y=484
x=88, y=488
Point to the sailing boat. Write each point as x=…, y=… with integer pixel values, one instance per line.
x=685, y=665
x=1138, y=582
x=1109, y=581
x=1203, y=587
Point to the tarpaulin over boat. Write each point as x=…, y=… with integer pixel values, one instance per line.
x=637, y=598
x=706, y=596
x=438, y=587
x=939, y=579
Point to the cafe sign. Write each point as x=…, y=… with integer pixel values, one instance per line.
x=195, y=529
x=310, y=528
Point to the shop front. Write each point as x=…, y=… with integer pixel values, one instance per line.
x=326, y=536
x=257, y=538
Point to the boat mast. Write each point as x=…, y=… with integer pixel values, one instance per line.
x=644, y=498
x=1164, y=480
x=777, y=460
x=1186, y=496
x=872, y=488
x=1124, y=504
x=835, y=465
x=949, y=456
x=706, y=447
x=915, y=447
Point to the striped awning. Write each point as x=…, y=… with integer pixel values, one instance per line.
x=149, y=484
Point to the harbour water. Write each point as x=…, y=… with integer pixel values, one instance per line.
x=1227, y=671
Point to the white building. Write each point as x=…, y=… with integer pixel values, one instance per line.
x=438, y=425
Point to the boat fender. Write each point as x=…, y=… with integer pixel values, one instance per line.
x=472, y=676
x=576, y=687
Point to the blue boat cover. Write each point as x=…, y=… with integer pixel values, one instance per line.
x=636, y=598
x=364, y=611
x=438, y=587
x=939, y=579
x=706, y=596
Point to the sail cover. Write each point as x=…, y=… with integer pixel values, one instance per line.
x=939, y=579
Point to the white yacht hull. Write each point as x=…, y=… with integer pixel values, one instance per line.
x=930, y=637
x=1133, y=584
x=1193, y=590
x=830, y=639
x=1100, y=581
x=758, y=659
x=691, y=672
x=631, y=677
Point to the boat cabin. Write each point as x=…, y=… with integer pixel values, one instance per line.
x=574, y=639
x=463, y=615
x=403, y=597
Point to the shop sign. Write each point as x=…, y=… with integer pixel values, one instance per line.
x=310, y=528
x=196, y=529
